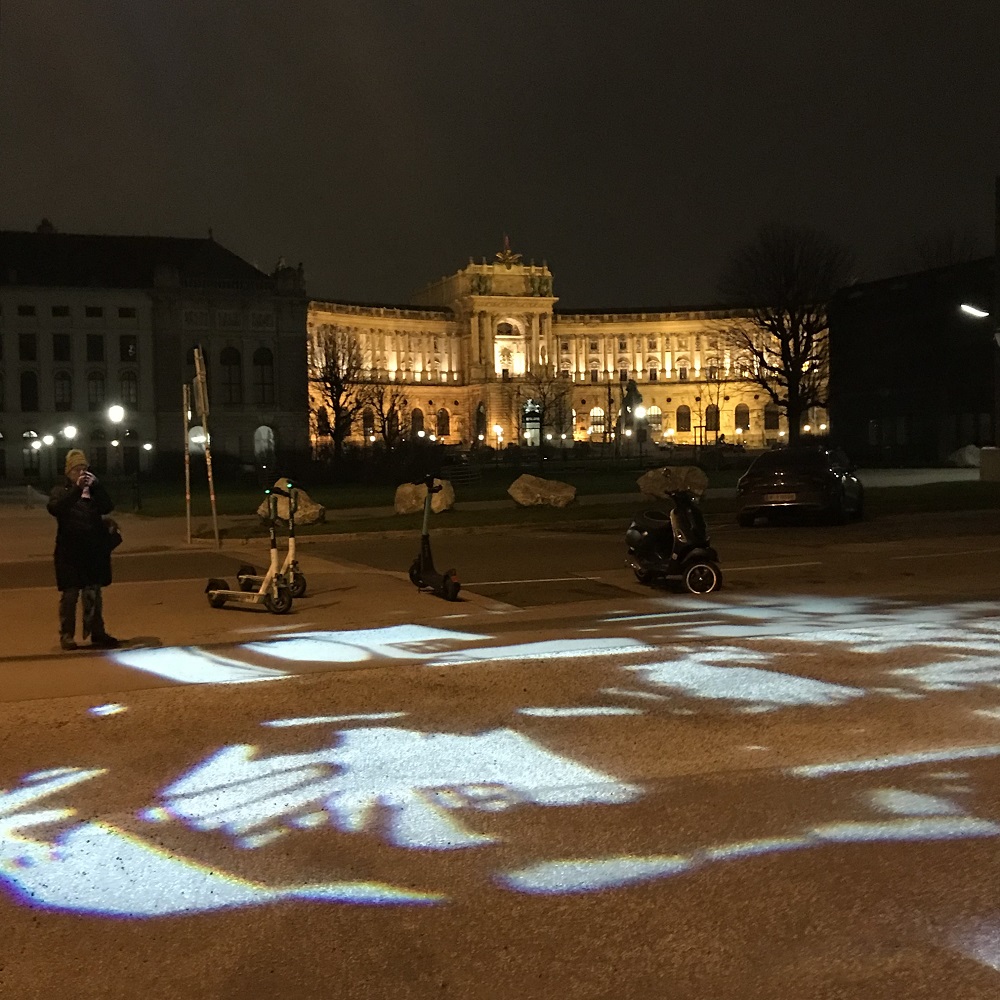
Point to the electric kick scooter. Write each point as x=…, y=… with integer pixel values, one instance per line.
x=248, y=577
x=423, y=575
x=274, y=593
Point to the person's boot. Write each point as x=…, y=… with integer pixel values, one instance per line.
x=66, y=642
x=104, y=641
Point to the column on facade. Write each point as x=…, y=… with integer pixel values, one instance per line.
x=534, y=359
x=551, y=348
x=484, y=341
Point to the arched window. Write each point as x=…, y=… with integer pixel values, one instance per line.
x=263, y=377
x=743, y=417
x=597, y=420
x=197, y=440
x=772, y=417
x=711, y=417
x=443, y=423
x=31, y=453
x=264, y=448
x=62, y=385
x=416, y=422
x=98, y=450
x=29, y=392
x=682, y=370
x=322, y=422
x=95, y=391
x=654, y=419
x=130, y=388
x=683, y=419
x=232, y=376
x=368, y=422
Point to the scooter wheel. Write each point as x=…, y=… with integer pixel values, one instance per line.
x=415, y=577
x=642, y=576
x=702, y=577
x=298, y=586
x=215, y=600
x=279, y=603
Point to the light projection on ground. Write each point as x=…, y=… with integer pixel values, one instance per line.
x=413, y=786
x=493, y=794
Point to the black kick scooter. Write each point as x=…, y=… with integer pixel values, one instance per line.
x=423, y=575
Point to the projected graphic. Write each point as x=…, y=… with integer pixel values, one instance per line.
x=413, y=787
x=527, y=799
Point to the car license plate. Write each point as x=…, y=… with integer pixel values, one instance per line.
x=779, y=498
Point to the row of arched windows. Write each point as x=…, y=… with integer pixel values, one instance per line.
x=228, y=388
x=417, y=422
x=654, y=418
x=62, y=391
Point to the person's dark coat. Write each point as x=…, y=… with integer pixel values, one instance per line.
x=83, y=552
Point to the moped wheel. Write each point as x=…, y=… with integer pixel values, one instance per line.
x=280, y=602
x=702, y=577
x=642, y=576
x=298, y=586
x=451, y=586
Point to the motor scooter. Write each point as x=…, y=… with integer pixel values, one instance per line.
x=674, y=546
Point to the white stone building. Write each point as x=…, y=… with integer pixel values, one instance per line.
x=471, y=347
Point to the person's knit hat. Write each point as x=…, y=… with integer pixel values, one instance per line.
x=75, y=457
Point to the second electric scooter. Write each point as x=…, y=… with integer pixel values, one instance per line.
x=273, y=592
x=248, y=577
x=423, y=575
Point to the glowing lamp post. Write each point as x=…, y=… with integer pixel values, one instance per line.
x=116, y=414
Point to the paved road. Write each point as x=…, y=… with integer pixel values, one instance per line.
x=786, y=789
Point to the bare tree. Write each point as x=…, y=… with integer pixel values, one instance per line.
x=780, y=285
x=389, y=406
x=547, y=395
x=340, y=379
x=940, y=248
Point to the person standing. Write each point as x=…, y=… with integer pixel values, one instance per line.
x=83, y=552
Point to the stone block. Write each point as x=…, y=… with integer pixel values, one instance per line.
x=660, y=483
x=410, y=497
x=533, y=491
x=307, y=511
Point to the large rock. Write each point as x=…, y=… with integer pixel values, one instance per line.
x=965, y=458
x=662, y=482
x=307, y=511
x=410, y=497
x=532, y=491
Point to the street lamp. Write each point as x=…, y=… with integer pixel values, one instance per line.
x=116, y=414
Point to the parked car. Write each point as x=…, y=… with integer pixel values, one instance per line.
x=805, y=480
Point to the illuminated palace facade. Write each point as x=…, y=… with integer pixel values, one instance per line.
x=470, y=348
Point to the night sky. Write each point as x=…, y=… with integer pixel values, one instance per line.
x=382, y=143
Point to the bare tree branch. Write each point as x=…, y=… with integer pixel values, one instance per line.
x=340, y=378
x=781, y=284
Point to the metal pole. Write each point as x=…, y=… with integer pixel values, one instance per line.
x=211, y=481
x=185, y=410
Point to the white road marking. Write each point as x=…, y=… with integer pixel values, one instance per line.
x=548, y=579
x=939, y=555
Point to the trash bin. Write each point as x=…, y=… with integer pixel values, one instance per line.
x=989, y=464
